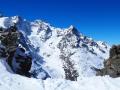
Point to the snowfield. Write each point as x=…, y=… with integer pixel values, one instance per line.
x=10, y=81
x=52, y=48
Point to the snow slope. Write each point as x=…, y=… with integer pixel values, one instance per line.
x=56, y=51
x=10, y=81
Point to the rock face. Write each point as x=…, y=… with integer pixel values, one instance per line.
x=112, y=65
x=16, y=56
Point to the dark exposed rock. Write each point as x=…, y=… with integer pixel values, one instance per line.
x=115, y=51
x=71, y=72
x=24, y=61
x=112, y=65
x=17, y=58
x=2, y=52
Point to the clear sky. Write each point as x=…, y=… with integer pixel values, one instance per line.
x=99, y=19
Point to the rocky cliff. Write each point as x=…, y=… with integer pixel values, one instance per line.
x=112, y=65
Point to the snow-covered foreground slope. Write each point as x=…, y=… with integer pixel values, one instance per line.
x=10, y=81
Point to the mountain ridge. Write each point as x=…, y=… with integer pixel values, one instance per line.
x=67, y=42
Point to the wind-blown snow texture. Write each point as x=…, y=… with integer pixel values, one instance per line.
x=54, y=51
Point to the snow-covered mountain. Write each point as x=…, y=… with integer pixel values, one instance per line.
x=57, y=54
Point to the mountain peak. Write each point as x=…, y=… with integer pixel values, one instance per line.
x=17, y=19
x=71, y=27
x=73, y=30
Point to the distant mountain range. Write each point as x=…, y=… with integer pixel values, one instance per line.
x=57, y=53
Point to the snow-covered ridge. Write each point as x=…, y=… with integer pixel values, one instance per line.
x=49, y=45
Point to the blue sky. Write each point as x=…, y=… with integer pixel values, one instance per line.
x=99, y=19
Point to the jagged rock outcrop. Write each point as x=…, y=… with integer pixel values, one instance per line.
x=16, y=57
x=112, y=65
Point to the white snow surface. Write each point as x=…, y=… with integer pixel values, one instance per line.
x=50, y=43
x=9, y=81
